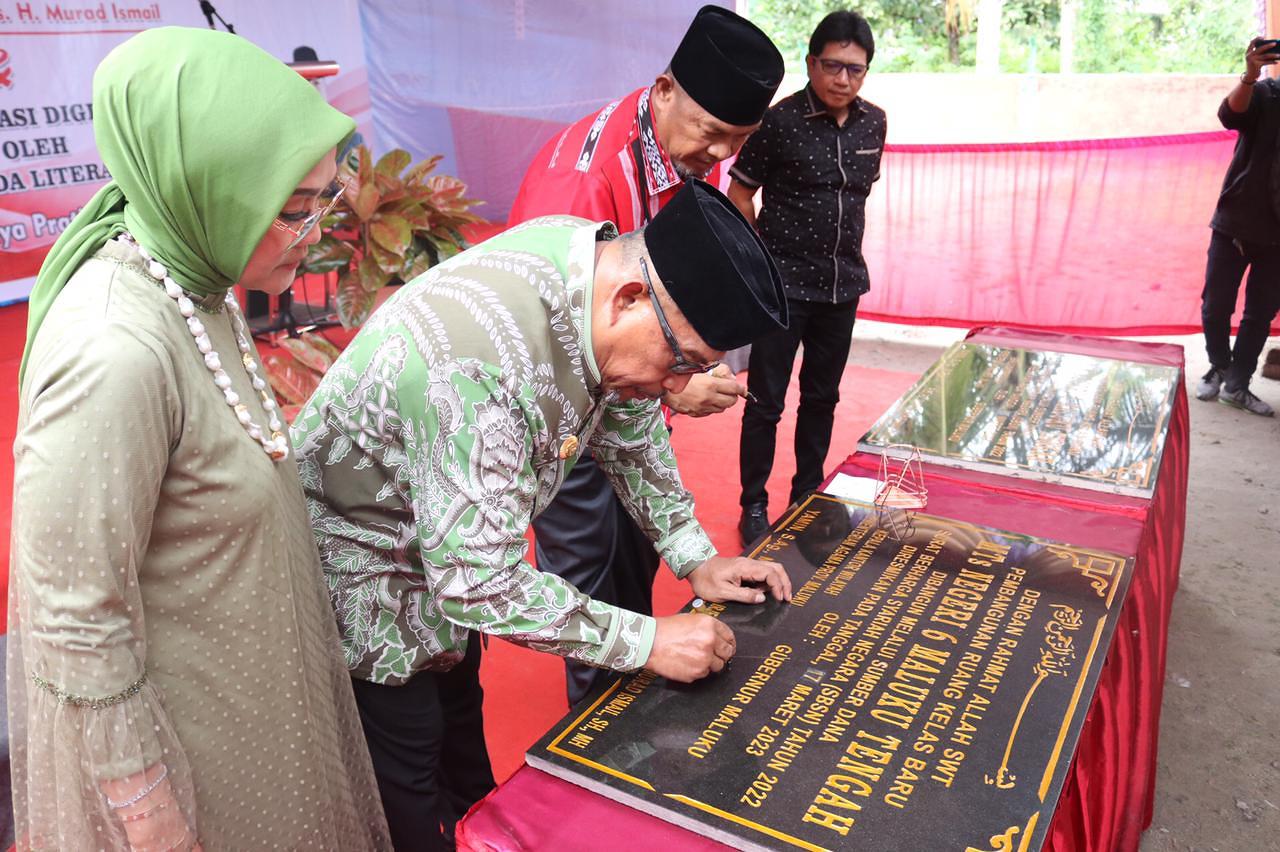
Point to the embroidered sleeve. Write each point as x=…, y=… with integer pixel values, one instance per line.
x=633, y=448
x=90, y=457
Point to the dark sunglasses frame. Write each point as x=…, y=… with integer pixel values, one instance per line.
x=832, y=68
x=683, y=366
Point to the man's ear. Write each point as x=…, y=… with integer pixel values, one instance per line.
x=664, y=88
x=627, y=297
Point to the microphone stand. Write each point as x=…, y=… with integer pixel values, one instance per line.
x=210, y=13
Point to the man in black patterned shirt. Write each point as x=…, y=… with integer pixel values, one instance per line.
x=815, y=156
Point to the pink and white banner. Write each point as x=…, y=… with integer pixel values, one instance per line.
x=49, y=166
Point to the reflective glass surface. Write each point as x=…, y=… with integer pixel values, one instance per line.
x=1092, y=422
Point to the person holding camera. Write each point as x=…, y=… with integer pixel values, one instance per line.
x=1246, y=235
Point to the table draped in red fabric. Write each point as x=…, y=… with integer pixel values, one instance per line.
x=1107, y=799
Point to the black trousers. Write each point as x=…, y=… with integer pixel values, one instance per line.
x=825, y=331
x=426, y=739
x=587, y=537
x=1228, y=259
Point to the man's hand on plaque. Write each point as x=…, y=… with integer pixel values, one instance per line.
x=690, y=646
x=707, y=393
x=738, y=578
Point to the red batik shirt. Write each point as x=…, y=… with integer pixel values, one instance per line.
x=608, y=165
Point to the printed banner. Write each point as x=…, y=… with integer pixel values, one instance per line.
x=49, y=165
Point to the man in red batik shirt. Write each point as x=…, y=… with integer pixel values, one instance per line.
x=622, y=164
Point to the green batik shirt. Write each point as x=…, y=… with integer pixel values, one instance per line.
x=446, y=426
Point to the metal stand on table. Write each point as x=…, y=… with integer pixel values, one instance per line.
x=901, y=491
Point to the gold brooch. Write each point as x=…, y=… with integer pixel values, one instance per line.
x=569, y=448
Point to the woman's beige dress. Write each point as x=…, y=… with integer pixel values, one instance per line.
x=167, y=603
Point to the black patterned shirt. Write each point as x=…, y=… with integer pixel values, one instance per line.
x=816, y=177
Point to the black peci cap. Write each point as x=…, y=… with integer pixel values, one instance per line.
x=715, y=268
x=728, y=66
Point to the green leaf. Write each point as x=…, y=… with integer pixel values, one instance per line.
x=392, y=232
x=307, y=354
x=392, y=191
x=365, y=201
x=370, y=275
x=395, y=221
x=458, y=238
x=328, y=255
x=351, y=166
x=393, y=162
x=386, y=175
x=365, y=172
x=292, y=381
x=388, y=261
x=445, y=247
x=415, y=213
x=420, y=171
x=446, y=192
x=355, y=303
x=321, y=343
x=418, y=262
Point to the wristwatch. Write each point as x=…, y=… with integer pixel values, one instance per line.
x=1246, y=82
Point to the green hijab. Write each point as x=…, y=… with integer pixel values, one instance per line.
x=206, y=136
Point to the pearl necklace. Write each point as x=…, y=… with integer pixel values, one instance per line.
x=274, y=442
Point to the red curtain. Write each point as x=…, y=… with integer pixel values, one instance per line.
x=1105, y=236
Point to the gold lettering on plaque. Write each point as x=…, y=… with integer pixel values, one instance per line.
x=1002, y=842
x=1099, y=569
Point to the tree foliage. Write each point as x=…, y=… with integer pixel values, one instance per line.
x=1148, y=36
x=910, y=36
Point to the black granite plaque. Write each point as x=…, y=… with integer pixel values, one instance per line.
x=1090, y=422
x=922, y=694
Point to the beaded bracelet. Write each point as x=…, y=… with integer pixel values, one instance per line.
x=145, y=814
x=142, y=794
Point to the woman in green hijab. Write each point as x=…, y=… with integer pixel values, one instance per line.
x=175, y=678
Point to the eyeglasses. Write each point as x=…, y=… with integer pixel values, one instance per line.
x=682, y=366
x=832, y=68
x=302, y=229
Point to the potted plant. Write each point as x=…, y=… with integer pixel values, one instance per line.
x=393, y=222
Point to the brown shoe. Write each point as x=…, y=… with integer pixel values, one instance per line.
x=1273, y=357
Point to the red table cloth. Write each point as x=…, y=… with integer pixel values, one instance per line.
x=1107, y=799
